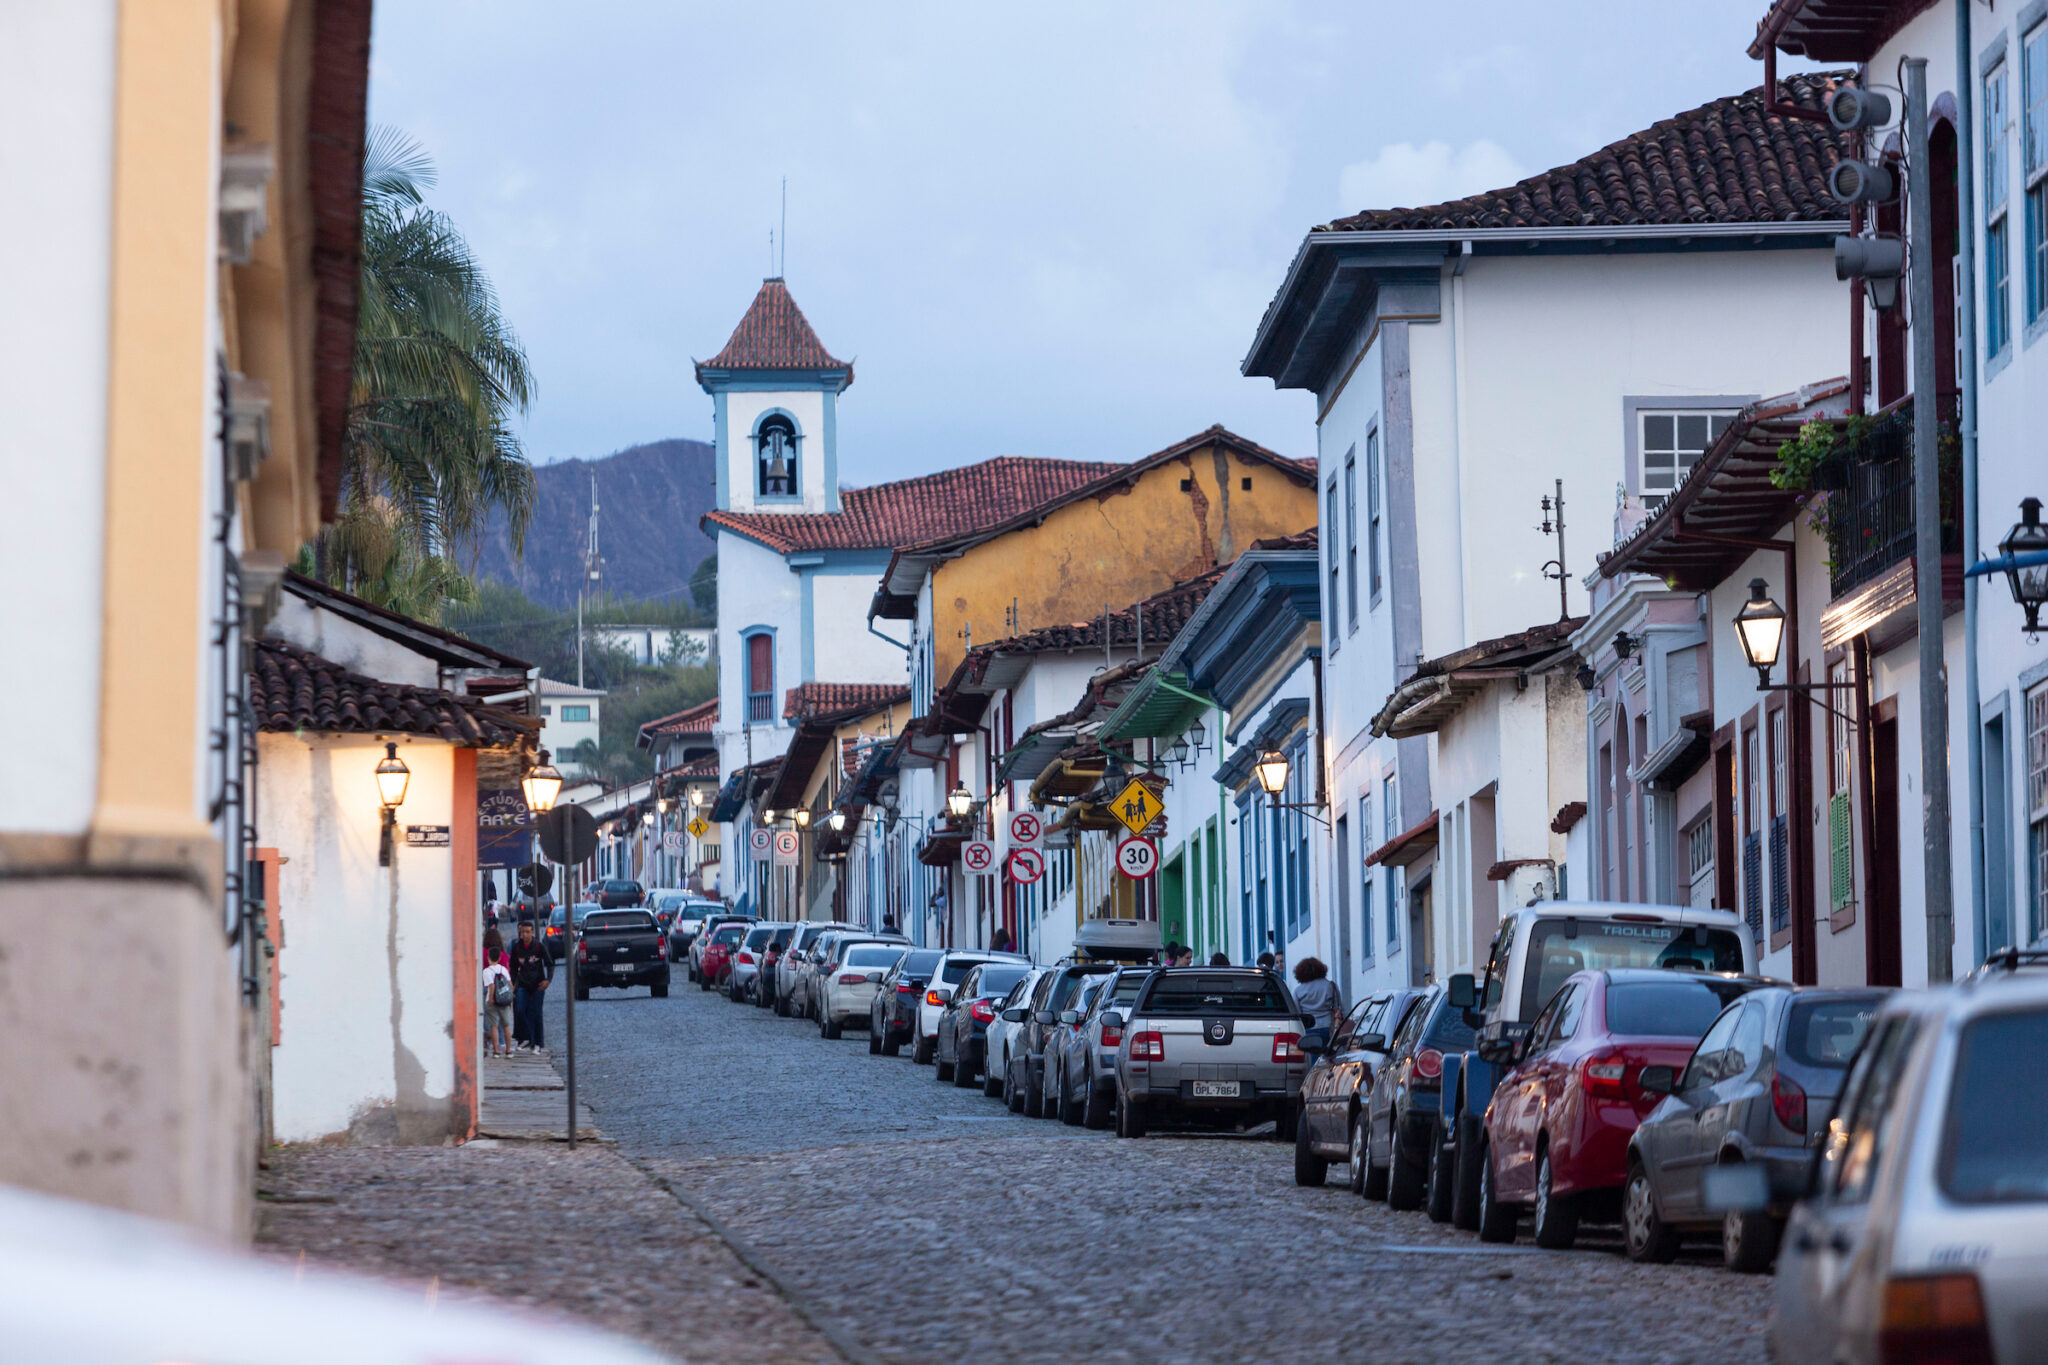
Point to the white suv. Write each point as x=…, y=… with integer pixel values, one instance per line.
x=952, y=968
x=1925, y=1232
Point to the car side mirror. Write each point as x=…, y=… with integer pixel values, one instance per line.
x=1045, y=1017
x=1316, y=1040
x=1112, y=1019
x=874, y=976
x=1461, y=991
x=1374, y=1042
x=1017, y=1015
x=1070, y=1016
x=1657, y=1080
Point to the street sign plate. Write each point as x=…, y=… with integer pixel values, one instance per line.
x=785, y=848
x=568, y=834
x=1137, y=857
x=978, y=857
x=1135, y=806
x=427, y=836
x=673, y=842
x=1027, y=827
x=697, y=828
x=761, y=840
x=536, y=879
x=1027, y=865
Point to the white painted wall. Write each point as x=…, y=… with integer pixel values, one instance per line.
x=743, y=408
x=842, y=648
x=57, y=92
x=356, y=648
x=366, y=985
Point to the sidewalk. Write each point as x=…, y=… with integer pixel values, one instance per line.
x=529, y=1223
x=526, y=1100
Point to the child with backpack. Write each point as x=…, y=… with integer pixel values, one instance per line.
x=497, y=995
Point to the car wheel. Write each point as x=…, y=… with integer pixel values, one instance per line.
x=1749, y=1241
x=703, y=982
x=964, y=1074
x=1557, y=1215
x=1465, y=1176
x=1130, y=1119
x=891, y=1046
x=921, y=1051
x=1356, y=1142
x=1375, y=1176
x=1070, y=1109
x=1309, y=1169
x=874, y=1041
x=944, y=1067
x=1442, y=1166
x=659, y=990
x=1013, y=1097
x=1496, y=1220
x=1646, y=1236
x=1095, y=1107
x=1034, y=1099
x=829, y=1026
x=991, y=1080
x=1404, y=1172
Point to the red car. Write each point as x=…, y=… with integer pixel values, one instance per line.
x=1558, y=1127
x=716, y=958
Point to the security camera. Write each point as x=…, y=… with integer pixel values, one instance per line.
x=1852, y=107
x=1877, y=261
x=1862, y=182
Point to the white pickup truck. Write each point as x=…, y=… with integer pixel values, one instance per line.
x=1220, y=1046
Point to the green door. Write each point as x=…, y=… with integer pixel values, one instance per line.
x=1173, y=901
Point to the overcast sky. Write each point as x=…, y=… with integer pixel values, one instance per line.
x=1045, y=229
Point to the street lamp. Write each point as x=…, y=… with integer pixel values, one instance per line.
x=803, y=817
x=838, y=819
x=959, y=801
x=1178, y=754
x=392, y=779
x=1760, y=629
x=541, y=785
x=1272, y=771
x=696, y=796
x=1198, y=733
x=2029, y=581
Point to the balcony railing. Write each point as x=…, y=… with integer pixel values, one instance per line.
x=1870, y=500
x=760, y=707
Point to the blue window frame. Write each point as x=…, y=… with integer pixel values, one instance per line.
x=1997, y=245
x=1365, y=875
x=1333, y=534
x=1372, y=513
x=2033, y=161
x=1351, y=536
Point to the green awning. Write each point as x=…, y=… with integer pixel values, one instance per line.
x=1159, y=707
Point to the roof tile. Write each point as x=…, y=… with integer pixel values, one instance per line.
x=820, y=700
x=774, y=335
x=291, y=689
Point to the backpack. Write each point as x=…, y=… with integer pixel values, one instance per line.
x=501, y=989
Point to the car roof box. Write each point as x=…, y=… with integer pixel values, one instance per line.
x=1117, y=940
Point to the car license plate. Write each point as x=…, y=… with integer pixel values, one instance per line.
x=1216, y=1090
x=622, y=966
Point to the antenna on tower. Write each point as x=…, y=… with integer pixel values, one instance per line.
x=783, y=265
x=593, y=573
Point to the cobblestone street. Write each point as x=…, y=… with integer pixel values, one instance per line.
x=925, y=1221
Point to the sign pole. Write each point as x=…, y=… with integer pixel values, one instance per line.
x=569, y=957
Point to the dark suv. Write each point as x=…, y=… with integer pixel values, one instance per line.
x=616, y=893
x=620, y=948
x=1404, y=1121
x=1056, y=991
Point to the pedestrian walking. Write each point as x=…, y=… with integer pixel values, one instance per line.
x=1219, y=959
x=1001, y=942
x=1186, y=958
x=1317, y=995
x=498, y=995
x=532, y=971
x=1265, y=962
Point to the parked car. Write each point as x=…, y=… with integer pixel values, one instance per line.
x=1209, y=1044
x=557, y=935
x=892, y=1017
x=664, y=901
x=1066, y=1029
x=1404, y=1106
x=1087, y=1055
x=1922, y=1235
x=714, y=953
x=1341, y=1070
x=792, y=960
x=615, y=893
x=1558, y=1130
x=1759, y=1088
x=746, y=960
x=1535, y=949
x=1001, y=1039
x=620, y=948
x=804, y=994
x=764, y=979
x=1054, y=993
x=949, y=972
x=959, y=1042
x=710, y=926
x=685, y=923
x=851, y=980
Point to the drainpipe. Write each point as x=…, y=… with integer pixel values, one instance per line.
x=1937, y=870
x=1966, y=381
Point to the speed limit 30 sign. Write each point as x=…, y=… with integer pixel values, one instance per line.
x=1137, y=856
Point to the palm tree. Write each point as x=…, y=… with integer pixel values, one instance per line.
x=428, y=453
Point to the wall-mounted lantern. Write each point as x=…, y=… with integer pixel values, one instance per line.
x=392, y=779
x=541, y=785
x=2025, y=548
x=1272, y=771
x=1760, y=629
x=959, y=802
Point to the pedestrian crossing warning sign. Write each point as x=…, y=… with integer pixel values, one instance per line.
x=1136, y=807
x=697, y=828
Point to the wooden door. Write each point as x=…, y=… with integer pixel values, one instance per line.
x=1881, y=933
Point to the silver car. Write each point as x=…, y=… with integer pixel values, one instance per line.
x=746, y=960
x=1080, y=1064
x=1925, y=1233
x=788, y=966
x=1215, y=1045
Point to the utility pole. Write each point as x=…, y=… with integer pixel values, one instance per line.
x=1564, y=610
x=1934, y=805
x=593, y=572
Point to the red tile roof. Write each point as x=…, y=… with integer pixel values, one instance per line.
x=910, y=511
x=822, y=700
x=1727, y=161
x=774, y=335
x=291, y=689
x=695, y=720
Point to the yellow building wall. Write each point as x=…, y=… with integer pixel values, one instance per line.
x=1115, y=549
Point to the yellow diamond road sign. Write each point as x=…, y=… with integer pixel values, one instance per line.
x=697, y=828
x=1135, y=806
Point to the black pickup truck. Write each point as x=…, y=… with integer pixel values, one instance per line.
x=621, y=948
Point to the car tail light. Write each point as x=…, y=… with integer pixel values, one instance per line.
x=1287, y=1048
x=1429, y=1063
x=1112, y=1037
x=983, y=1012
x=1602, y=1074
x=583, y=952
x=1934, y=1318
x=934, y=998
x=851, y=979
x=746, y=957
x=1148, y=1047
x=906, y=990
x=660, y=950
x=1788, y=1102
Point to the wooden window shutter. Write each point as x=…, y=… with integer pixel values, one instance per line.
x=1841, y=869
